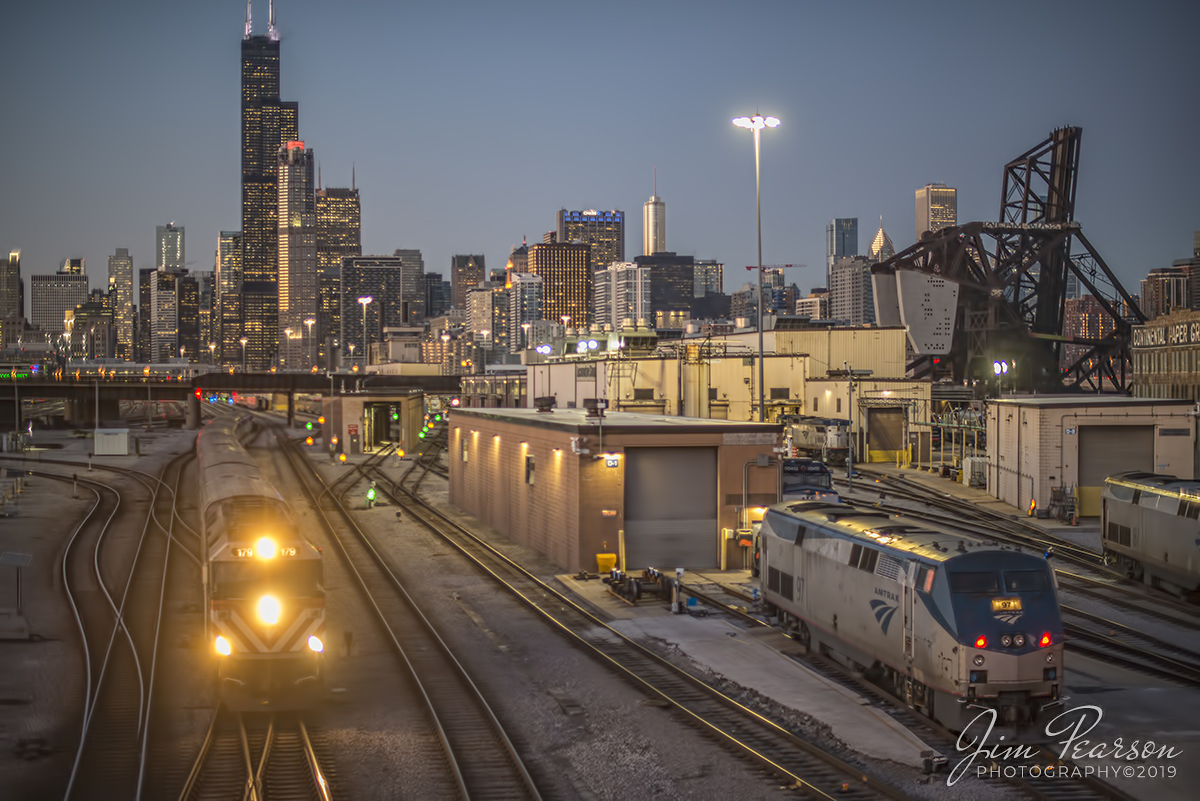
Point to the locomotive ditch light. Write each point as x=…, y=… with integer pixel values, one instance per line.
x=1019, y=640
x=315, y=644
x=265, y=548
x=981, y=641
x=1045, y=641
x=978, y=660
x=269, y=610
x=223, y=647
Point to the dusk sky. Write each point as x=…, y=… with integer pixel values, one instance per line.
x=470, y=123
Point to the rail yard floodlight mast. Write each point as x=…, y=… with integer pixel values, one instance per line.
x=1013, y=277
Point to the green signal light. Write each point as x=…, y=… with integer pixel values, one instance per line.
x=437, y=418
x=371, y=494
x=395, y=416
x=308, y=425
x=421, y=435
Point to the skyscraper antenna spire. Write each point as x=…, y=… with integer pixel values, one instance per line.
x=352, y=176
x=247, y=36
x=656, y=181
x=318, y=176
x=272, y=33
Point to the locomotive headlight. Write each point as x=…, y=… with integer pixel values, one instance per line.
x=1006, y=640
x=1019, y=640
x=265, y=548
x=315, y=644
x=978, y=660
x=223, y=647
x=269, y=610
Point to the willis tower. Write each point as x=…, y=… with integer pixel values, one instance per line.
x=268, y=123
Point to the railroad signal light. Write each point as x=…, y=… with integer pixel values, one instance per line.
x=454, y=401
x=199, y=393
x=308, y=440
x=395, y=416
x=321, y=420
x=400, y=453
x=308, y=425
x=437, y=418
x=342, y=458
x=333, y=440
x=421, y=435
x=371, y=495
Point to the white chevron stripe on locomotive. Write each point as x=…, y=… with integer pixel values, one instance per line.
x=293, y=638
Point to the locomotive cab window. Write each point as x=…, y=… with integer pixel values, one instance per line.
x=974, y=582
x=1026, y=580
x=240, y=579
x=924, y=579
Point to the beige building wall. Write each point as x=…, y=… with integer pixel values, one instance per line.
x=573, y=508
x=1034, y=446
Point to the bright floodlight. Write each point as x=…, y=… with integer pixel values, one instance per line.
x=757, y=121
x=996, y=368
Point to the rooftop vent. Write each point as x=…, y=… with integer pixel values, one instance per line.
x=545, y=403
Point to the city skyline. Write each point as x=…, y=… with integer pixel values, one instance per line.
x=481, y=156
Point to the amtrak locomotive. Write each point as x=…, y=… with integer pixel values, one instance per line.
x=1150, y=527
x=263, y=583
x=954, y=624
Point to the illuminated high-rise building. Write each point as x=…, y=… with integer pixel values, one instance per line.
x=169, y=250
x=12, y=302
x=339, y=235
x=881, y=246
x=466, y=272
x=841, y=241
x=937, y=208
x=413, y=312
x=566, y=280
x=71, y=267
x=604, y=231
x=268, y=123
x=120, y=291
x=297, y=252
x=227, y=301
x=654, y=223
x=709, y=277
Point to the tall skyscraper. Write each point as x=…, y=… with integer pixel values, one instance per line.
x=297, y=252
x=437, y=295
x=937, y=208
x=603, y=230
x=881, y=246
x=120, y=291
x=851, y=291
x=227, y=288
x=1164, y=289
x=413, y=312
x=169, y=251
x=71, y=267
x=524, y=308
x=709, y=277
x=339, y=235
x=52, y=296
x=841, y=241
x=11, y=304
x=654, y=223
x=396, y=293
x=622, y=292
x=268, y=123
x=465, y=274
x=672, y=282
x=566, y=280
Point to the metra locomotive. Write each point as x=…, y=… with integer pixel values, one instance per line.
x=954, y=624
x=263, y=582
x=1150, y=526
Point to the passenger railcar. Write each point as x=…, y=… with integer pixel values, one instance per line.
x=263, y=581
x=824, y=438
x=1150, y=529
x=954, y=624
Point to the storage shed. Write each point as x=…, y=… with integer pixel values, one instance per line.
x=657, y=491
x=1036, y=443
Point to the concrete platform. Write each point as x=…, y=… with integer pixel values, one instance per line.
x=757, y=659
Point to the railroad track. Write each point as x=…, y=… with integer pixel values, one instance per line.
x=260, y=755
x=805, y=766
x=481, y=759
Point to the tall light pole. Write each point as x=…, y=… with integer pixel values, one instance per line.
x=756, y=124
x=243, y=340
x=365, y=300
x=308, y=355
x=287, y=354
x=212, y=353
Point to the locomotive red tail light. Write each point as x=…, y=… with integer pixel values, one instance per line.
x=981, y=641
x=1045, y=641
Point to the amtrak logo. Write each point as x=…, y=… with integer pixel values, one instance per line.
x=1011, y=619
x=883, y=613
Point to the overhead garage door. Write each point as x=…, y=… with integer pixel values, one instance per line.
x=1104, y=450
x=885, y=434
x=670, y=508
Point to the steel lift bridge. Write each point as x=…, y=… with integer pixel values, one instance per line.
x=1012, y=278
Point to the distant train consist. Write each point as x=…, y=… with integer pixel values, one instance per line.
x=953, y=624
x=263, y=581
x=1150, y=528
x=824, y=438
x=807, y=480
